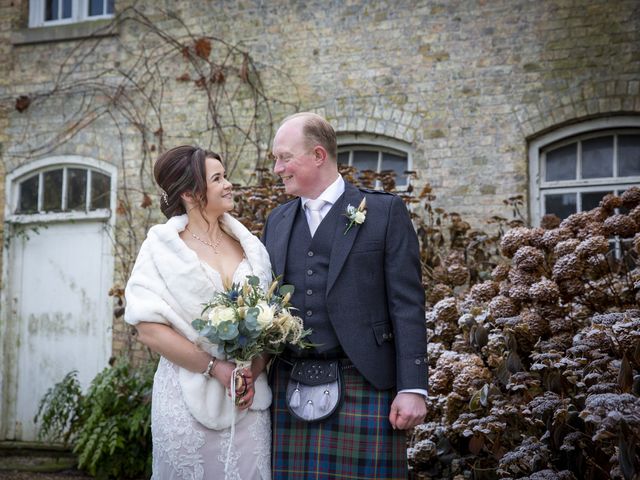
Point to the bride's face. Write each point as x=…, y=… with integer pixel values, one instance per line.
x=219, y=189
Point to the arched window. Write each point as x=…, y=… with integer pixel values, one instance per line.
x=376, y=153
x=573, y=168
x=59, y=188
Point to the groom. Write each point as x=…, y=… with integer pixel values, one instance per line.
x=359, y=289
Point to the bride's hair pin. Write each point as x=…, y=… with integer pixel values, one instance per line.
x=165, y=197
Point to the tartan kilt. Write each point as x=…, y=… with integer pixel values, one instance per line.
x=355, y=443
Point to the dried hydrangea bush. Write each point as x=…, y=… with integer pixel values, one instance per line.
x=535, y=371
x=534, y=338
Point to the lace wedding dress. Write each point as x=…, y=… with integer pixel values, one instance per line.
x=186, y=450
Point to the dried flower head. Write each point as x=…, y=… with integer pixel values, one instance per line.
x=551, y=237
x=596, y=245
x=458, y=274
x=440, y=274
x=565, y=247
x=610, y=202
x=501, y=306
x=521, y=277
x=438, y=292
x=519, y=292
x=631, y=197
x=592, y=228
x=621, y=225
x=471, y=378
x=560, y=324
x=570, y=288
x=598, y=214
x=538, y=325
x=500, y=272
x=446, y=311
x=529, y=259
x=635, y=214
x=535, y=237
x=485, y=291
x=575, y=221
x=568, y=267
x=550, y=221
x=544, y=291
x=513, y=240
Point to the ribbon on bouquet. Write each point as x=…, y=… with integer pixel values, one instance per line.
x=234, y=375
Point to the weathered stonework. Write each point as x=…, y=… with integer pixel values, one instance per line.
x=467, y=85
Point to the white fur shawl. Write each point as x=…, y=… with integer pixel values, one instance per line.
x=169, y=284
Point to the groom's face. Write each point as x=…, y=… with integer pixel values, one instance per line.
x=294, y=161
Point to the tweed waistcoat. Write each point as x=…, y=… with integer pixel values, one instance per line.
x=306, y=268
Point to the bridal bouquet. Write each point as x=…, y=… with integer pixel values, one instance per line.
x=245, y=321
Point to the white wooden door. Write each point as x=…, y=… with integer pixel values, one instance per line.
x=55, y=312
x=60, y=278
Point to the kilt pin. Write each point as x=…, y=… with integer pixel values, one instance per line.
x=360, y=291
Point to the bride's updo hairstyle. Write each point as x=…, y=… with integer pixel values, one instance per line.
x=182, y=169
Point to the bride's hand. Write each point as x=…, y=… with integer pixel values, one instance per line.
x=223, y=371
x=258, y=364
x=244, y=389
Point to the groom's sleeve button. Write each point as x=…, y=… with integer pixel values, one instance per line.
x=310, y=253
x=309, y=292
x=309, y=272
x=309, y=313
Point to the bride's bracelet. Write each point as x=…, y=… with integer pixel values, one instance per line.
x=210, y=368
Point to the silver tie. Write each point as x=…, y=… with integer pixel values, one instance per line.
x=315, y=215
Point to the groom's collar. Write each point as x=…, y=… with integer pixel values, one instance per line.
x=331, y=194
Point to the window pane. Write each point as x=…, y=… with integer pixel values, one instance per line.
x=66, y=8
x=28, y=202
x=365, y=160
x=52, y=200
x=111, y=6
x=396, y=163
x=561, y=163
x=591, y=200
x=76, y=189
x=597, y=157
x=100, y=190
x=343, y=158
x=95, y=7
x=562, y=204
x=628, y=155
x=51, y=10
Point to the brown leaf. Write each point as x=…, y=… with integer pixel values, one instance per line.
x=244, y=69
x=121, y=209
x=476, y=443
x=625, y=376
x=185, y=77
x=218, y=76
x=201, y=82
x=22, y=103
x=514, y=364
x=146, y=201
x=203, y=48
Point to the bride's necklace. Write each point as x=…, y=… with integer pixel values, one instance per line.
x=213, y=245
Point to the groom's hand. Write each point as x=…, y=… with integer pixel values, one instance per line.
x=407, y=411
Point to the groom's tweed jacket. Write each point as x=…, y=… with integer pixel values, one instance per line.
x=372, y=286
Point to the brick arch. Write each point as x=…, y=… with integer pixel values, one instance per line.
x=373, y=116
x=591, y=100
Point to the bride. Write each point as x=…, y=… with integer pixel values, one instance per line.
x=180, y=265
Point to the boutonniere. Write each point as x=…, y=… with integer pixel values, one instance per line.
x=356, y=216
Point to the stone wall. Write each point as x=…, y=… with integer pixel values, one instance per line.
x=465, y=83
